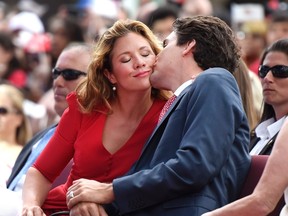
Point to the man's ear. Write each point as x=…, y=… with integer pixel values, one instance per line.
x=110, y=76
x=189, y=47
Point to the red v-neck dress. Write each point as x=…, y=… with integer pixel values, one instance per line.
x=79, y=136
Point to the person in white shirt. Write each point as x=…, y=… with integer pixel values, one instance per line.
x=273, y=73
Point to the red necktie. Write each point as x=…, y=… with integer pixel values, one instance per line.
x=166, y=107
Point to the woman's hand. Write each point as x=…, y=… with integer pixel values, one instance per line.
x=32, y=211
x=84, y=190
x=35, y=190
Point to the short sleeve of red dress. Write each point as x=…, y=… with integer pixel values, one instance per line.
x=60, y=149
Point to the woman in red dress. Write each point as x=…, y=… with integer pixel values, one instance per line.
x=110, y=117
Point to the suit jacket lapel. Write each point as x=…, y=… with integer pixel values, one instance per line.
x=177, y=100
x=162, y=124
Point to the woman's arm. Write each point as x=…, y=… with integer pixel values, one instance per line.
x=270, y=187
x=35, y=190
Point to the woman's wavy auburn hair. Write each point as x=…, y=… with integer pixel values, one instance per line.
x=95, y=92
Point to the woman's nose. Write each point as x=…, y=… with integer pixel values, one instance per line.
x=139, y=62
x=269, y=76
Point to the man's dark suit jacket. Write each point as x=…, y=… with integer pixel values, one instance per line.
x=197, y=158
x=25, y=153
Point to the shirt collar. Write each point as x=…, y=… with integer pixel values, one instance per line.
x=269, y=127
x=182, y=87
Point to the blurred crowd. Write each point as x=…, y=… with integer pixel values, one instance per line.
x=30, y=44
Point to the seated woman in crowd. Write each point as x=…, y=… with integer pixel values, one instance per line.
x=15, y=129
x=273, y=73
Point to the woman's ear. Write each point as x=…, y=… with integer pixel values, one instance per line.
x=189, y=47
x=110, y=76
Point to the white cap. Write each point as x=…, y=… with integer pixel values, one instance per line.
x=26, y=21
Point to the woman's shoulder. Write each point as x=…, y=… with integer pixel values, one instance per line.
x=72, y=99
x=73, y=104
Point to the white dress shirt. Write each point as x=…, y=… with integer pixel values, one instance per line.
x=182, y=87
x=266, y=131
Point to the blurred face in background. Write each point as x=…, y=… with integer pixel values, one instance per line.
x=252, y=45
x=163, y=27
x=60, y=39
x=276, y=31
x=10, y=118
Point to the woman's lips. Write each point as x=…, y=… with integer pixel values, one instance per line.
x=142, y=74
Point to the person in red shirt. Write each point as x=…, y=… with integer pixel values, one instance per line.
x=110, y=117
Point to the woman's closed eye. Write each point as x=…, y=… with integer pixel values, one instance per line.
x=125, y=59
x=145, y=54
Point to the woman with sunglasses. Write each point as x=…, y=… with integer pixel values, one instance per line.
x=109, y=118
x=15, y=129
x=273, y=73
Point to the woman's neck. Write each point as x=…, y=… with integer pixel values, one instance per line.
x=4, y=138
x=280, y=112
x=133, y=106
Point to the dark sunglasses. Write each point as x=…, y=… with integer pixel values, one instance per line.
x=5, y=111
x=279, y=71
x=67, y=74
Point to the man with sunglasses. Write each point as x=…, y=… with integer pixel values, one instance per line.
x=69, y=70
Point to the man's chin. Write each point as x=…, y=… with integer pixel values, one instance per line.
x=157, y=81
x=154, y=79
x=157, y=85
